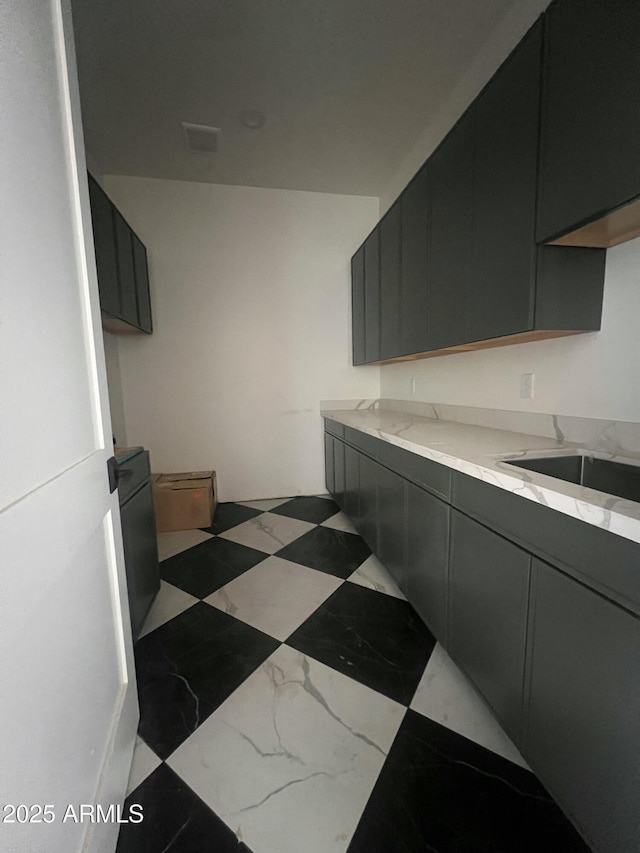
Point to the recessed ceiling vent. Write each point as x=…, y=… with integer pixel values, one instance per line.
x=200, y=138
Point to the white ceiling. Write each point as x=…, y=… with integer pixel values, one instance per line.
x=347, y=86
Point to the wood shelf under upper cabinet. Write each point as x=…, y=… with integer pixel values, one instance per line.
x=609, y=230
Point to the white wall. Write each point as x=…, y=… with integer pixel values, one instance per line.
x=250, y=292
x=593, y=375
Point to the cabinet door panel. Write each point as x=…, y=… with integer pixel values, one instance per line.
x=488, y=601
x=500, y=298
x=357, y=306
x=449, y=260
x=104, y=240
x=352, y=484
x=391, y=523
x=141, y=273
x=390, y=304
x=329, y=461
x=338, y=469
x=140, y=554
x=583, y=725
x=369, y=501
x=427, y=558
x=415, y=236
x=590, y=159
x=372, y=297
x=126, y=273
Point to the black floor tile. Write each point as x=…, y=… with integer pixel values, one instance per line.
x=206, y=567
x=187, y=667
x=315, y=510
x=175, y=820
x=327, y=550
x=440, y=792
x=378, y=640
x=229, y=515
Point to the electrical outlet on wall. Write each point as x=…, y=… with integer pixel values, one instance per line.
x=526, y=385
x=412, y=385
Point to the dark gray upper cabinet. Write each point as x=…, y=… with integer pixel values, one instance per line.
x=583, y=726
x=415, y=239
x=449, y=272
x=357, y=306
x=126, y=270
x=121, y=263
x=500, y=299
x=390, y=298
x=104, y=244
x=488, y=603
x=372, y=296
x=590, y=157
x=141, y=273
x=461, y=240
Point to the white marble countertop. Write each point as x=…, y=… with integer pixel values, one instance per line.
x=481, y=452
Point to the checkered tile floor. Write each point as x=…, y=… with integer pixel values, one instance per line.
x=291, y=700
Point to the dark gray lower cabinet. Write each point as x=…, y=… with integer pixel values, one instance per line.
x=427, y=555
x=338, y=473
x=369, y=469
x=583, y=731
x=352, y=484
x=329, y=463
x=555, y=659
x=488, y=602
x=391, y=523
x=140, y=553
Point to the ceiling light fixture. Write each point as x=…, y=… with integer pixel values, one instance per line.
x=253, y=119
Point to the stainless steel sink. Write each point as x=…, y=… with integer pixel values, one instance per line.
x=614, y=478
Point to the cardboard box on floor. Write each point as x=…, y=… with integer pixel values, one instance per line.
x=184, y=501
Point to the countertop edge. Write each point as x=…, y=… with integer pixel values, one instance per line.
x=615, y=515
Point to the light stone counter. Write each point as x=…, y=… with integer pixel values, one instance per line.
x=480, y=451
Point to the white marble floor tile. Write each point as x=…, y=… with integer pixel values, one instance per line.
x=339, y=521
x=276, y=596
x=175, y=541
x=446, y=695
x=144, y=763
x=265, y=505
x=169, y=602
x=289, y=760
x=373, y=575
x=267, y=532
